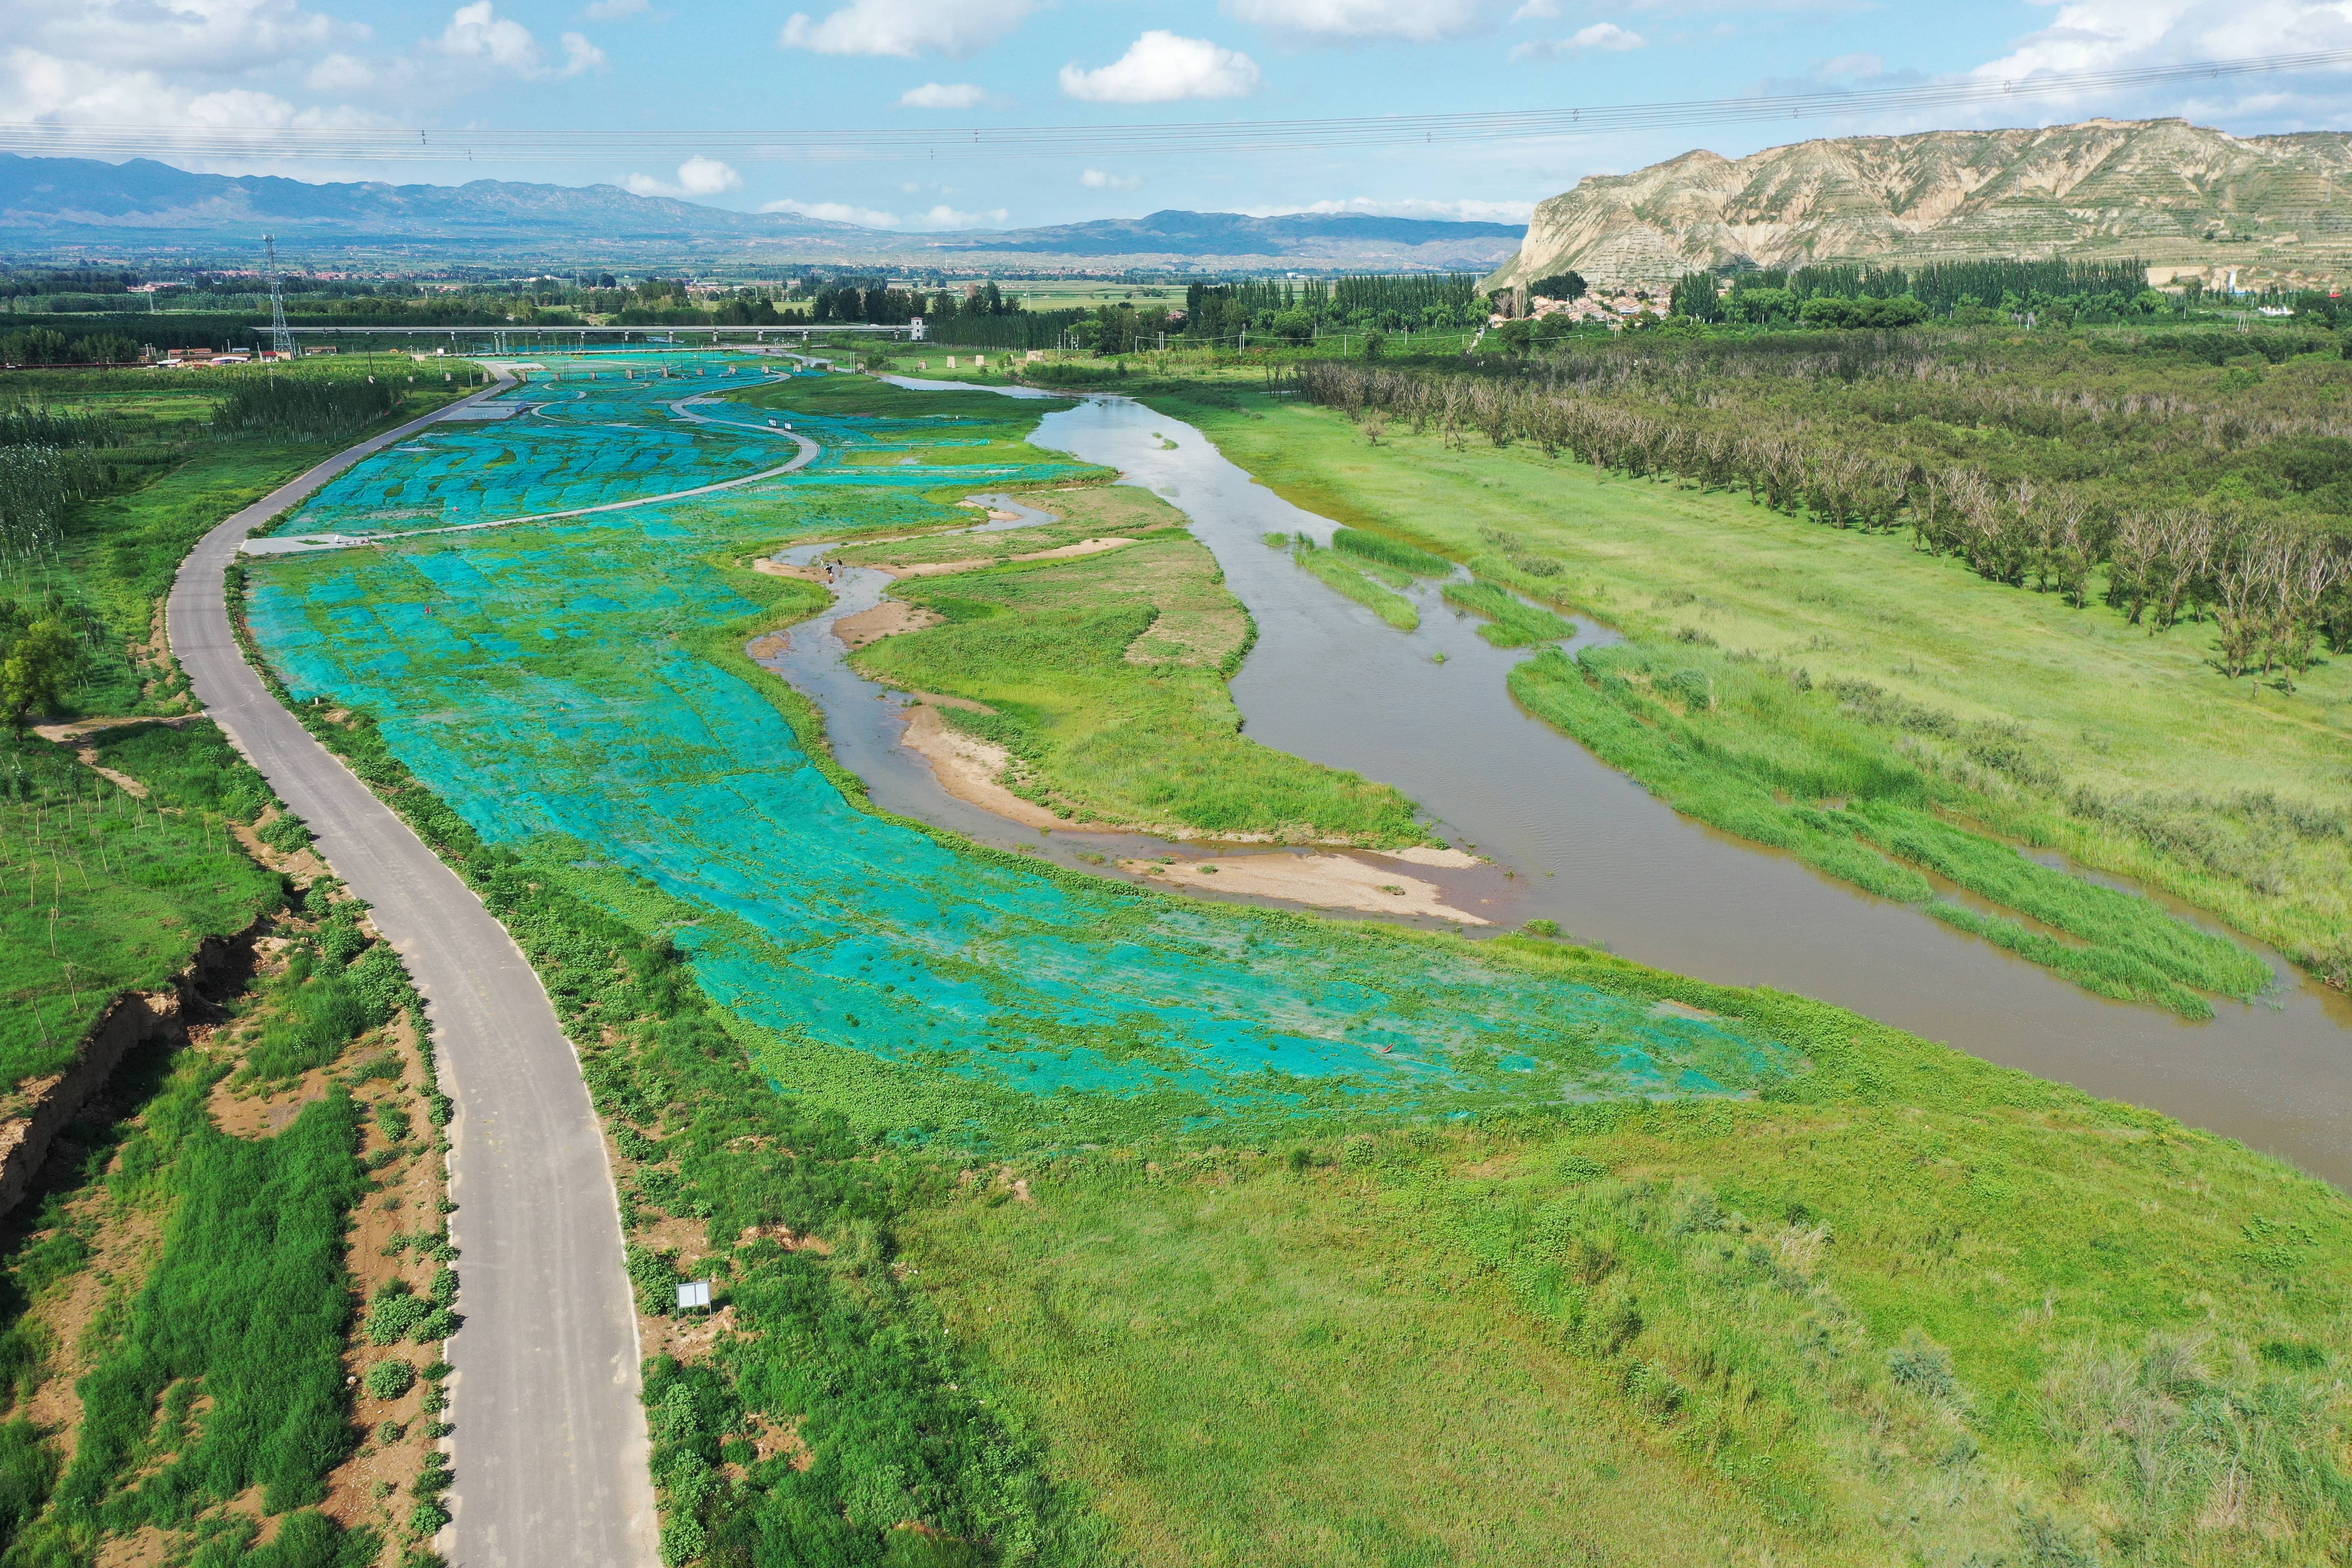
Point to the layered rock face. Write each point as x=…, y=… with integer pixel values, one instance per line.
x=2188, y=199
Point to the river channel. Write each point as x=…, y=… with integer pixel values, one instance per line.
x=1574, y=841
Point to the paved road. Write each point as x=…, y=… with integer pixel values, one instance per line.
x=550, y=1447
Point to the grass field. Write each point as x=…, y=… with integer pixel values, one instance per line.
x=1974, y=1326
x=105, y=893
x=2065, y=728
x=1105, y=676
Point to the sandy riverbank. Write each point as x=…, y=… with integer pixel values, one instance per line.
x=1324, y=881
x=950, y=568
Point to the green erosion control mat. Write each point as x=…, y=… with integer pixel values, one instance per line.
x=542, y=678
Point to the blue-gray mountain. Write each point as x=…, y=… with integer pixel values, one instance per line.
x=59, y=208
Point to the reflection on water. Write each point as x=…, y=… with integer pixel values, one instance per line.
x=1581, y=844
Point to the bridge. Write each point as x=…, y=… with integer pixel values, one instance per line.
x=512, y=338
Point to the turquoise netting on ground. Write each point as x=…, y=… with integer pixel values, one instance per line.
x=546, y=679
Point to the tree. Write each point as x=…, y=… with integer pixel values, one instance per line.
x=1558, y=286
x=1694, y=296
x=34, y=669
x=1297, y=325
x=1758, y=306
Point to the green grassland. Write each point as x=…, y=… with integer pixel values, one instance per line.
x=105, y=893
x=1104, y=676
x=2065, y=728
x=1990, y=1322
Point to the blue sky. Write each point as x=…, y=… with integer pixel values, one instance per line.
x=675, y=67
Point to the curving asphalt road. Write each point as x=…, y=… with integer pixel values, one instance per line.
x=550, y=1445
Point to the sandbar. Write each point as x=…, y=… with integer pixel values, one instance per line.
x=1325, y=881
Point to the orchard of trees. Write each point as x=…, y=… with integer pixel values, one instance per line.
x=2139, y=479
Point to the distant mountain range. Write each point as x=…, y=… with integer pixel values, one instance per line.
x=70, y=208
x=2186, y=198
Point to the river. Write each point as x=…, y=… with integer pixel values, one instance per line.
x=1574, y=841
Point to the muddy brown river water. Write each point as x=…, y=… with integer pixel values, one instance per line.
x=1574, y=841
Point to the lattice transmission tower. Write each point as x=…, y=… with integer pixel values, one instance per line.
x=281, y=338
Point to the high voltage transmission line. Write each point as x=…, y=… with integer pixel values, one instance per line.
x=415, y=145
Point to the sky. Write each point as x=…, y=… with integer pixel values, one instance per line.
x=648, y=65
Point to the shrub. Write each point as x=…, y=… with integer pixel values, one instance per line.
x=396, y=1314
x=390, y=1379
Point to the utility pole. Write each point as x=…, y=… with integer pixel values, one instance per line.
x=280, y=338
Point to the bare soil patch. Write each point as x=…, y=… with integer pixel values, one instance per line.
x=888, y=618
x=1324, y=881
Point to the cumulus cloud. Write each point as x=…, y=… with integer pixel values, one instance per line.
x=2105, y=35
x=944, y=95
x=1602, y=35
x=945, y=216
x=2111, y=35
x=697, y=176
x=481, y=39
x=42, y=88
x=180, y=36
x=906, y=28
x=1162, y=67
x=835, y=212
x=341, y=73
x=1350, y=21
x=1095, y=180
x=1467, y=210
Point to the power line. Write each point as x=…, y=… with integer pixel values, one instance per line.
x=415, y=145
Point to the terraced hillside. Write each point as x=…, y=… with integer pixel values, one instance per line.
x=2189, y=199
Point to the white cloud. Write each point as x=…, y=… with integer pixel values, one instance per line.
x=43, y=88
x=617, y=10
x=1160, y=68
x=2106, y=34
x=580, y=55
x=1349, y=21
x=1607, y=36
x=1468, y=210
x=180, y=36
x=478, y=37
x=697, y=176
x=945, y=216
x=835, y=212
x=905, y=29
x=341, y=73
x=1095, y=180
x=944, y=95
